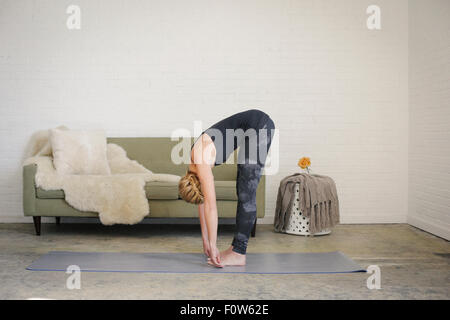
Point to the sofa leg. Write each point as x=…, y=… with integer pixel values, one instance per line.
x=58, y=220
x=37, y=225
x=254, y=229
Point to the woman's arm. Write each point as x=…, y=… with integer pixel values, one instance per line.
x=204, y=228
x=210, y=208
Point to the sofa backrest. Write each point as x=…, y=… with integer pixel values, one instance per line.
x=155, y=155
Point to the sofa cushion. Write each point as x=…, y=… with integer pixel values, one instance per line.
x=161, y=190
x=49, y=194
x=225, y=190
x=155, y=190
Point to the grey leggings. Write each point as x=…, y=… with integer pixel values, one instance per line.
x=248, y=176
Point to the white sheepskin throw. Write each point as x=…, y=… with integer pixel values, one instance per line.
x=39, y=144
x=118, y=198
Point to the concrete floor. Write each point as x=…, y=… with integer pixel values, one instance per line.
x=414, y=264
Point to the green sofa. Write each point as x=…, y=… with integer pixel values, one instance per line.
x=163, y=197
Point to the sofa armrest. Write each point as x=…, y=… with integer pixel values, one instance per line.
x=29, y=189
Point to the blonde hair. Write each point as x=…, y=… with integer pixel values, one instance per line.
x=190, y=188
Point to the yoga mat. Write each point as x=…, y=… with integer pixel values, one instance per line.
x=259, y=263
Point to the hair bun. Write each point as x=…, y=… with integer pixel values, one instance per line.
x=189, y=188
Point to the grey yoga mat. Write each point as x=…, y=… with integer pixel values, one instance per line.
x=260, y=263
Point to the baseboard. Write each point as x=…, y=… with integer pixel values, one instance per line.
x=265, y=220
x=434, y=228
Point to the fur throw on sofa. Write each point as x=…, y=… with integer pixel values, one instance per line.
x=118, y=198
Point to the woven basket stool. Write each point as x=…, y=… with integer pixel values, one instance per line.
x=298, y=223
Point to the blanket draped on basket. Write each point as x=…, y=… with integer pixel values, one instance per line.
x=318, y=201
x=118, y=198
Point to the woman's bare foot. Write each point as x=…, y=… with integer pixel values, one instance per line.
x=231, y=258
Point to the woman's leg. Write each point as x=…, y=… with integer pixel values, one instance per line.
x=247, y=181
x=246, y=185
x=248, y=177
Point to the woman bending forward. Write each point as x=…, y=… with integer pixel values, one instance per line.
x=252, y=131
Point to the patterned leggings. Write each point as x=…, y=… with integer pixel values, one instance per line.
x=248, y=176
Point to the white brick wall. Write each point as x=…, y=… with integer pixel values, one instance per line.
x=337, y=91
x=429, y=99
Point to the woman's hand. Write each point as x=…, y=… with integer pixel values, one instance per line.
x=215, y=256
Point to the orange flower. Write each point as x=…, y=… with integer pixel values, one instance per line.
x=304, y=162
